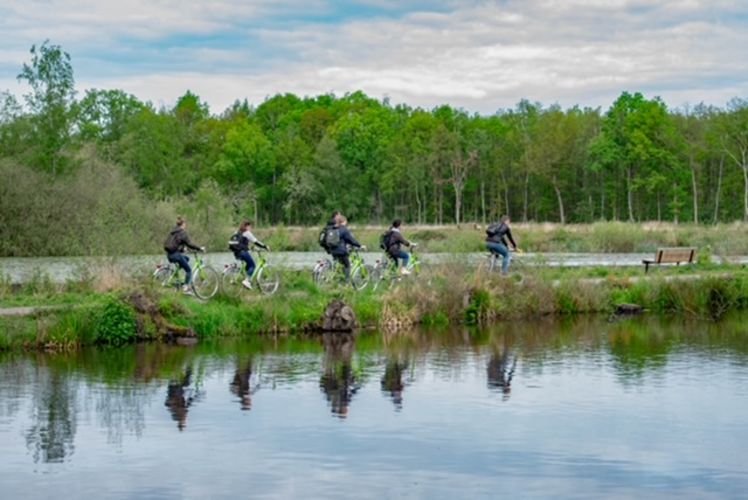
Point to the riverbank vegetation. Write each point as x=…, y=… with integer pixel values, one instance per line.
x=123, y=312
x=103, y=173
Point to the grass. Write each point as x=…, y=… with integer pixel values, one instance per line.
x=457, y=294
x=603, y=237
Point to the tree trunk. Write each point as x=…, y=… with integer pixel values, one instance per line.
x=527, y=195
x=719, y=190
x=560, y=203
x=483, y=201
x=458, y=201
x=630, y=195
x=694, y=189
x=745, y=192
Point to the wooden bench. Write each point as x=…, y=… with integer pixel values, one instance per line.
x=674, y=255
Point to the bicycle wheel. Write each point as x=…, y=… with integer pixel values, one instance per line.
x=322, y=272
x=361, y=276
x=268, y=279
x=231, y=281
x=423, y=272
x=162, y=275
x=378, y=275
x=205, y=282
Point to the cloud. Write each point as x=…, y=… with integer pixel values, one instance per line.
x=477, y=55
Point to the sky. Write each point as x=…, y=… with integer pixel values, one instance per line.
x=481, y=56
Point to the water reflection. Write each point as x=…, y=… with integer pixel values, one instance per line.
x=51, y=435
x=180, y=395
x=338, y=380
x=501, y=366
x=244, y=385
x=392, y=381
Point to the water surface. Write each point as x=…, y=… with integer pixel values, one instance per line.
x=578, y=408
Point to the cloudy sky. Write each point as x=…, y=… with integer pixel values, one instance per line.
x=478, y=55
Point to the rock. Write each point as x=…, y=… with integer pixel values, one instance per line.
x=629, y=309
x=338, y=317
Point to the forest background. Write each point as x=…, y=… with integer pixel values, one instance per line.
x=103, y=173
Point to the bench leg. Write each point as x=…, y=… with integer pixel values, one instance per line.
x=646, y=267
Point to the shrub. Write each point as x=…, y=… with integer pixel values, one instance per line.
x=115, y=323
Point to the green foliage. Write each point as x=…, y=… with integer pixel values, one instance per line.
x=115, y=323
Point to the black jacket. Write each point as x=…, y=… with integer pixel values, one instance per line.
x=498, y=235
x=178, y=238
x=346, y=238
x=395, y=242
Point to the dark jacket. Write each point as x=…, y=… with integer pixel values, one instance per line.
x=498, y=235
x=178, y=238
x=346, y=238
x=396, y=241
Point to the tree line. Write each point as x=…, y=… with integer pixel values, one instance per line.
x=292, y=160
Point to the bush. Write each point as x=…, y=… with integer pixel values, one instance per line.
x=115, y=323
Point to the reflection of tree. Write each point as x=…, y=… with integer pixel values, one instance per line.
x=501, y=366
x=51, y=438
x=241, y=385
x=179, y=398
x=392, y=381
x=338, y=381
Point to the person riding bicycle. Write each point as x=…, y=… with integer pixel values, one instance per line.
x=394, y=241
x=496, y=243
x=340, y=251
x=240, y=244
x=174, y=247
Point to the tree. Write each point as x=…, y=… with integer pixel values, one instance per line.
x=734, y=126
x=50, y=76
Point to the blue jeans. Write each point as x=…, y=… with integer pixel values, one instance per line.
x=402, y=254
x=246, y=257
x=182, y=261
x=501, y=249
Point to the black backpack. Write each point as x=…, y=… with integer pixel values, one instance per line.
x=492, y=229
x=171, y=244
x=329, y=237
x=235, y=242
x=384, y=240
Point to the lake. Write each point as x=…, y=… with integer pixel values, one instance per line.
x=574, y=408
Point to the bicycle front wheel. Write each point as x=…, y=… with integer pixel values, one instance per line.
x=361, y=276
x=205, y=282
x=268, y=279
x=231, y=282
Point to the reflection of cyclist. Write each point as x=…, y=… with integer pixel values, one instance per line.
x=340, y=251
x=177, y=399
x=338, y=381
x=240, y=244
x=241, y=384
x=496, y=243
x=500, y=371
x=392, y=381
x=174, y=248
x=394, y=242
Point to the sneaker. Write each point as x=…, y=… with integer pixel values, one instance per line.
x=404, y=271
x=187, y=290
x=247, y=284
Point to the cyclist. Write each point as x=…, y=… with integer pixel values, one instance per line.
x=240, y=244
x=496, y=243
x=394, y=243
x=174, y=248
x=340, y=251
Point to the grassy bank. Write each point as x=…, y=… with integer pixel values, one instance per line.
x=603, y=237
x=111, y=311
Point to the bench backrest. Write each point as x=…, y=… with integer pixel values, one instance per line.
x=676, y=254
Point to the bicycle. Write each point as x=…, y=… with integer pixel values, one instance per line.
x=264, y=276
x=204, y=278
x=387, y=271
x=494, y=261
x=327, y=272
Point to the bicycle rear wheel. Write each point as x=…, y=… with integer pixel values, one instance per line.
x=162, y=275
x=205, y=282
x=361, y=276
x=231, y=282
x=323, y=272
x=268, y=279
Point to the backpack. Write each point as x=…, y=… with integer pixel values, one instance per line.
x=492, y=229
x=171, y=244
x=329, y=237
x=235, y=242
x=384, y=240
